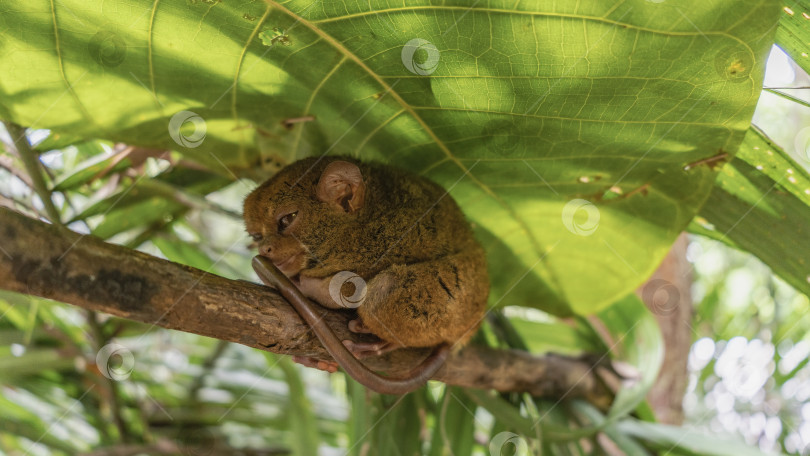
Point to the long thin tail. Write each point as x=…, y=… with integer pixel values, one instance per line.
x=417, y=377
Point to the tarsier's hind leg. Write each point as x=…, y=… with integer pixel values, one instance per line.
x=358, y=349
x=428, y=303
x=364, y=349
x=419, y=305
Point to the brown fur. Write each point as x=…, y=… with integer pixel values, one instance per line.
x=426, y=274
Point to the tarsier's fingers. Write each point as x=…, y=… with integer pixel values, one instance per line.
x=417, y=377
x=320, y=364
x=364, y=349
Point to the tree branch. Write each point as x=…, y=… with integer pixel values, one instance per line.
x=53, y=262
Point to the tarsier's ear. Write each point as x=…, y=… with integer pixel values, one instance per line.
x=341, y=185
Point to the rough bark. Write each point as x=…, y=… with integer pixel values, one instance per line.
x=52, y=262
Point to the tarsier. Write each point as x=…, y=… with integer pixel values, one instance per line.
x=424, y=277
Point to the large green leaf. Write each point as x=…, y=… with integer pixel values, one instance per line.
x=624, y=442
x=680, y=440
x=793, y=35
x=453, y=433
x=760, y=204
x=518, y=108
x=33, y=362
x=397, y=424
x=184, y=253
x=21, y=421
x=361, y=422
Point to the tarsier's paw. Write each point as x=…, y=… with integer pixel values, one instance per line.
x=364, y=349
x=328, y=366
x=314, y=288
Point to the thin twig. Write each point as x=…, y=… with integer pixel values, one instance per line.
x=32, y=164
x=115, y=407
x=7, y=163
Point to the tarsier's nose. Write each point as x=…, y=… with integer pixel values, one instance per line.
x=265, y=250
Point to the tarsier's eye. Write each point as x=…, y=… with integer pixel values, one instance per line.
x=256, y=237
x=286, y=221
